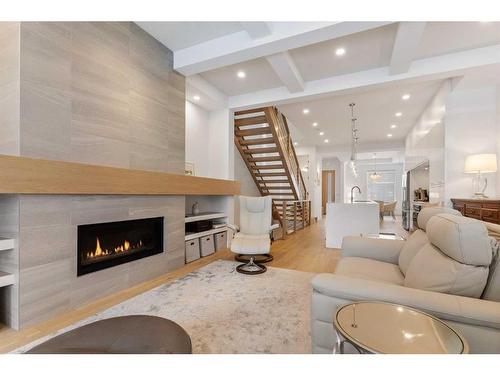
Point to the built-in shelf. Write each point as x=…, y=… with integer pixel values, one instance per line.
x=205, y=216
x=192, y=236
x=6, y=279
x=6, y=243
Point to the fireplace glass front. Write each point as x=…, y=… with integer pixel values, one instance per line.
x=105, y=245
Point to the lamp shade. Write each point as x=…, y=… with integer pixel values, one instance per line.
x=484, y=163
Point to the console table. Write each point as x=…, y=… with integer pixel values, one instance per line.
x=481, y=209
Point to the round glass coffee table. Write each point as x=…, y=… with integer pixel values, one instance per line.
x=379, y=327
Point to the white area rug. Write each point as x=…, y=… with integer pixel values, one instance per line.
x=227, y=312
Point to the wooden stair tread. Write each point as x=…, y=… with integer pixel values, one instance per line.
x=270, y=174
x=267, y=167
x=258, y=141
x=265, y=158
x=250, y=121
x=260, y=150
x=256, y=131
x=274, y=181
x=248, y=111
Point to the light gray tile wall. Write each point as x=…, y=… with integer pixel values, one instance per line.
x=10, y=36
x=9, y=87
x=98, y=93
x=9, y=260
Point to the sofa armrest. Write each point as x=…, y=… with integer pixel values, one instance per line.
x=444, y=306
x=373, y=248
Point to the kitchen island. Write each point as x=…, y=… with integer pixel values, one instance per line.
x=350, y=219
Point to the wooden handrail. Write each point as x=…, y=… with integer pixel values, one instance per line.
x=304, y=195
x=291, y=156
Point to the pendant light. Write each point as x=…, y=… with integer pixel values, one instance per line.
x=375, y=176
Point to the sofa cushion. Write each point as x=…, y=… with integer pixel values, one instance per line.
x=426, y=213
x=462, y=239
x=492, y=289
x=369, y=269
x=432, y=270
x=251, y=244
x=411, y=247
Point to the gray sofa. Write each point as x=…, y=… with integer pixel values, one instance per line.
x=446, y=268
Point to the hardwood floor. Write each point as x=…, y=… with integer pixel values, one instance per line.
x=303, y=251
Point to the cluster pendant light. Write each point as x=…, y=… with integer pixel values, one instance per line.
x=354, y=140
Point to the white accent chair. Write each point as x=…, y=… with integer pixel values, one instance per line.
x=447, y=268
x=252, y=241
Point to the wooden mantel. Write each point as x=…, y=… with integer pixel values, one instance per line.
x=21, y=175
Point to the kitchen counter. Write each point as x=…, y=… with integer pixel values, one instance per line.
x=350, y=219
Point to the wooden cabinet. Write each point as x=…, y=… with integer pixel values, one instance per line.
x=481, y=209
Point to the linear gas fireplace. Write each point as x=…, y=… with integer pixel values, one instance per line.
x=106, y=245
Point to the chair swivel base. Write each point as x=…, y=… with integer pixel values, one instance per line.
x=258, y=258
x=251, y=268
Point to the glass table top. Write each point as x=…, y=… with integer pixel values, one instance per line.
x=379, y=327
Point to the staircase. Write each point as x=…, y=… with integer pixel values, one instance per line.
x=264, y=142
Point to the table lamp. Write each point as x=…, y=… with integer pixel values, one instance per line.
x=478, y=164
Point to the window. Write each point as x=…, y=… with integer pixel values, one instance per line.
x=384, y=188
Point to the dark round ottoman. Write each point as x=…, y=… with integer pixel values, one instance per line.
x=133, y=334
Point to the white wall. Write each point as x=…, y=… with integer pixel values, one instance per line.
x=361, y=180
x=221, y=138
x=425, y=142
x=334, y=164
x=470, y=128
x=312, y=179
x=197, y=134
x=209, y=141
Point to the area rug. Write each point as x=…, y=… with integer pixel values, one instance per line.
x=226, y=312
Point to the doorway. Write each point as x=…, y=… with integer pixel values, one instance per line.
x=328, y=189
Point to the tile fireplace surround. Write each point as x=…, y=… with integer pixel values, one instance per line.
x=96, y=93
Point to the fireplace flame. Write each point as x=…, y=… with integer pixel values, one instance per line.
x=99, y=251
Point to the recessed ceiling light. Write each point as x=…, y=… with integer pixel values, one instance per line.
x=315, y=124
x=295, y=143
x=398, y=114
x=241, y=74
x=321, y=133
x=305, y=111
x=326, y=141
x=196, y=97
x=393, y=126
x=405, y=97
x=389, y=135
x=340, y=51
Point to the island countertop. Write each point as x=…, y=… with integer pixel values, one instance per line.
x=350, y=219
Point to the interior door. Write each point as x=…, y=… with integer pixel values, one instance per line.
x=327, y=189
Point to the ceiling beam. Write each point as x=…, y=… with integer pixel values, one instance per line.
x=256, y=29
x=405, y=46
x=237, y=47
x=438, y=67
x=287, y=71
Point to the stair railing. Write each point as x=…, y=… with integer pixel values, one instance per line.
x=286, y=142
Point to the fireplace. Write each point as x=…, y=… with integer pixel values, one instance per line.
x=105, y=245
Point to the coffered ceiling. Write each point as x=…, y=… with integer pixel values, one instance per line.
x=323, y=66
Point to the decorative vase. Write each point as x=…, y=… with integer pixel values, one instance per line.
x=195, y=209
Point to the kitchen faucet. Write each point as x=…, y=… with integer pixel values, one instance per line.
x=352, y=192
